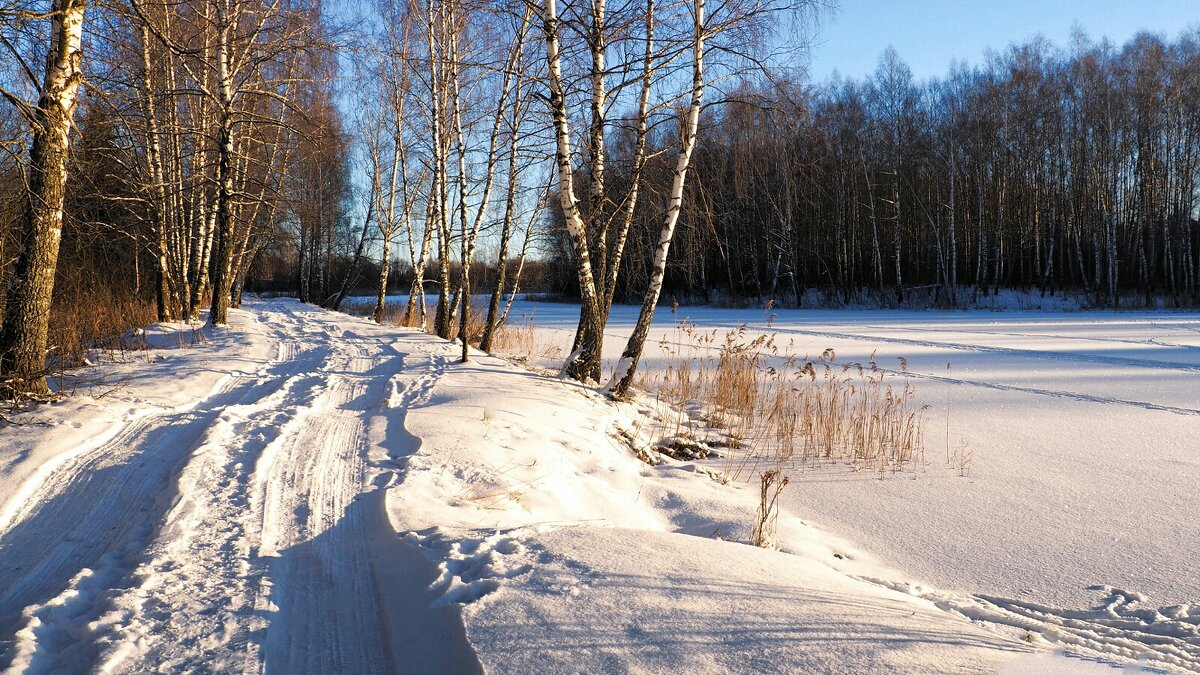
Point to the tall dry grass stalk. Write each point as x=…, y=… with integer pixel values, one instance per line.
x=771, y=484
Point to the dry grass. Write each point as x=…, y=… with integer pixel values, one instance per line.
x=476, y=322
x=519, y=340
x=738, y=389
x=102, y=323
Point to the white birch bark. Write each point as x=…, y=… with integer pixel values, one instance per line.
x=622, y=378
x=25, y=331
x=584, y=362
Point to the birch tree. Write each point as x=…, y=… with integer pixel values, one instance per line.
x=240, y=60
x=23, y=337
x=622, y=378
x=597, y=249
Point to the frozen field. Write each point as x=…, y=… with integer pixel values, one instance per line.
x=1083, y=430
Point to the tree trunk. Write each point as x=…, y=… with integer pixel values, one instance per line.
x=223, y=242
x=352, y=272
x=27, y=311
x=619, y=386
x=584, y=362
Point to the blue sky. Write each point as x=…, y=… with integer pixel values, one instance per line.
x=929, y=34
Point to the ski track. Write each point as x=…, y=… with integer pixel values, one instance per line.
x=1036, y=391
x=237, y=535
x=1155, y=341
x=1055, y=393
x=1040, y=354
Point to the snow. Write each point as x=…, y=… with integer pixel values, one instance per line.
x=308, y=492
x=1078, y=507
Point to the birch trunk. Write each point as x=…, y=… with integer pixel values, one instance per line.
x=167, y=299
x=437, y=82
x=222, y=249
x=490, y=323
x=584, y=362
x=387, y=219
x=639, y=163
x=27, y=312
x=622, y=379
x=464, y=287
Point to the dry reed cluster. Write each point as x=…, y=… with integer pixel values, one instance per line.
x=739, y=390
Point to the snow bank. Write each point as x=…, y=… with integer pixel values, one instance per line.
x=571, y=555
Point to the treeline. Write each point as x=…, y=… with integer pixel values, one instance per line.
x=612, y=151
x=1043, y=169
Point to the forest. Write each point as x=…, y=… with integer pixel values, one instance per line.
x=1047, y=169
x=163, y=159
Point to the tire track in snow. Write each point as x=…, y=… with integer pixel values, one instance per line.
x=188, y=605
x=92, y=517
x=196, y=602
x=318, y=584
x=266, y=545
x=343, y=592
x=430, y=634
x=283, y=558
x=1042, y=354
x=1119, y=626
x=1153, y=341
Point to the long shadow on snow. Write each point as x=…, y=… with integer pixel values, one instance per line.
x=310, y=631
x=313, y=630
x=747, y=626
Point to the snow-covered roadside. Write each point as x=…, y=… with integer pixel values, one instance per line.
x=113, y=396
x=1078, y=509
x=310, y=492
x=573, y=556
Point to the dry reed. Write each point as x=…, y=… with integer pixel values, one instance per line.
x=784, y=411
x=103, y=323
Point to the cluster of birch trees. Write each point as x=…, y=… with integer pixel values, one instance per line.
x=225, y=145
x=496, y=113
x=195, y=114
x=1043, y=169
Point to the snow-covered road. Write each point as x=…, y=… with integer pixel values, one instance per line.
x=242, y=527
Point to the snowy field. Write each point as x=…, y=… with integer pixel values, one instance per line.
x=308, y=492
x=1083, y=432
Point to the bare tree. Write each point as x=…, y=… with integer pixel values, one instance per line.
x=23, y=336
x=623, y=377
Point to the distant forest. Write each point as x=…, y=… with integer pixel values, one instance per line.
x=1043, y=169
